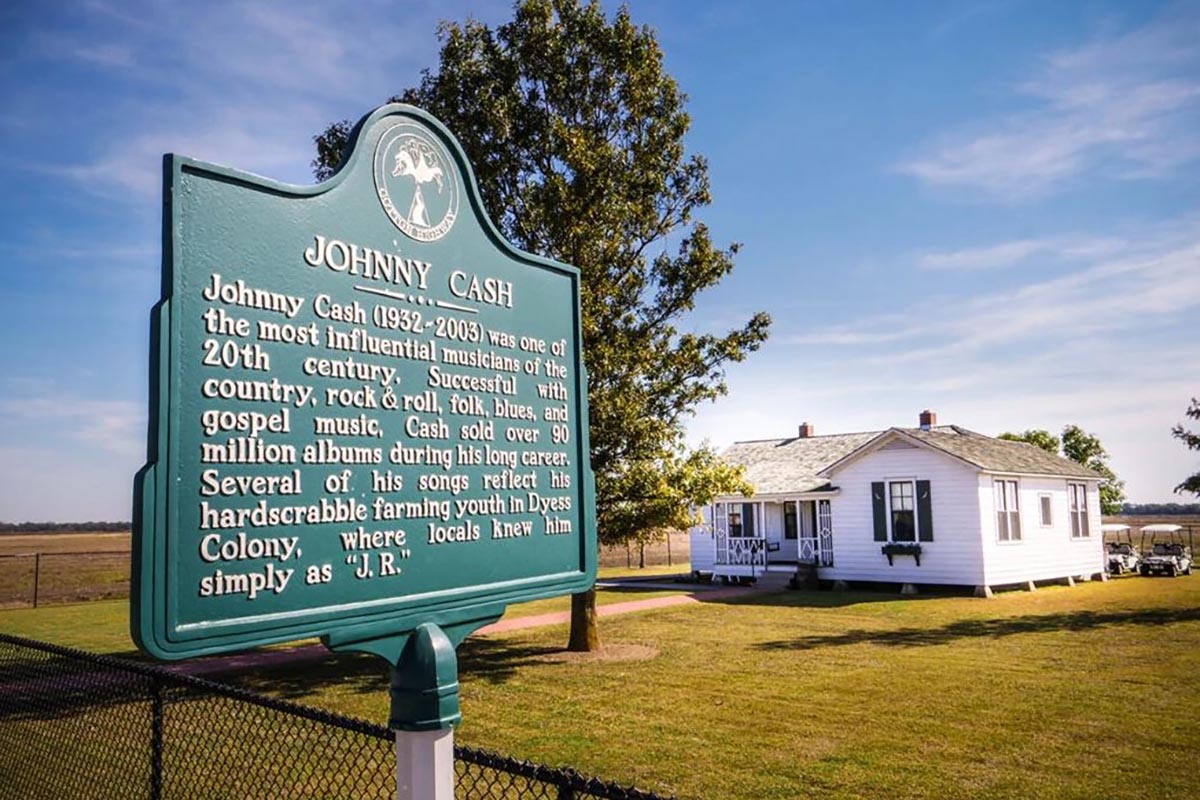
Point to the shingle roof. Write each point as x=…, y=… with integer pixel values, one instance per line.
x=1001, y=455
x=778, y=466
x=791, y=465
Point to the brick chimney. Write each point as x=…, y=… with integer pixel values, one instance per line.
x=807, y=429
x=928, y=419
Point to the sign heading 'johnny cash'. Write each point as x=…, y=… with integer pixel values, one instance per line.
x=368, y=410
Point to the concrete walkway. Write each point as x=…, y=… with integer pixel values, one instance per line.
x=308, y=652
x=611, y=609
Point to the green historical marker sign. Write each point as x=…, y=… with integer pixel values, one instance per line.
x=368, y=410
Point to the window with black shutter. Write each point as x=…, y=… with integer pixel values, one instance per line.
x=902, y=506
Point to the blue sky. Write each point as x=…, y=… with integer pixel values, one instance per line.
x=990, y=209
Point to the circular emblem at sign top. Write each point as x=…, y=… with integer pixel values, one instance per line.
x=416, y=182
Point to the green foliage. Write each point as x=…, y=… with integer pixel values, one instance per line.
x=1191, y=440
x=1085, y=448
x=576, y=135
x=1040, y=438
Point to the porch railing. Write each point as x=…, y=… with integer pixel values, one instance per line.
x=740, y=551
x=807, y=551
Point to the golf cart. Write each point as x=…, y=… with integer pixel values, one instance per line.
x=1168, y=555
x=1121, y=553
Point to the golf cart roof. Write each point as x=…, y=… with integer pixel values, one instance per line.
x=1109, y=527
x=1161, y=527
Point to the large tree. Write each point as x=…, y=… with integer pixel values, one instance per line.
x=576, y=134
x=1191, y=440
x=1085, y=448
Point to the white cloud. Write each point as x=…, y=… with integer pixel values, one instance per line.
x=1127, y=105
x=243, y=84
x=112, y=426
x=1125, y=294
x=252, y=139
x=1006, y=254
x=108, y=55
x=44, y=484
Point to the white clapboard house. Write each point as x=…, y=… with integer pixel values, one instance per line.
x=935, y=504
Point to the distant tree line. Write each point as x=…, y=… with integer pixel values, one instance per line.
x=1148, y=509
x=43, y=527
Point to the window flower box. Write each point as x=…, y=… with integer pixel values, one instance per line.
x=892, y=549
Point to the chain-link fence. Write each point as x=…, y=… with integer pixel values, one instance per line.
x=33, y=579
x=671, y=549
x=78, y=725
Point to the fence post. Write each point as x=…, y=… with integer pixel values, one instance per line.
x=37, y=574
x=565, y=792
x=156, y=738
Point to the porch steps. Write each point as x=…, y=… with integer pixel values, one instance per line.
x=775, y=578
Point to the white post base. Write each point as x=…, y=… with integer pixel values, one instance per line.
x=425, y=765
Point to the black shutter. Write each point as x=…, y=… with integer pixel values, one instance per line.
x=924, y=512
x=879, y=504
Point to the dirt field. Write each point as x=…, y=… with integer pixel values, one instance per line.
x=66, y=542
x=66, y=567
x=673, y=552
x=1189, y=522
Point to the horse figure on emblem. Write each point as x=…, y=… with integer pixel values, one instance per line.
x=414, y=160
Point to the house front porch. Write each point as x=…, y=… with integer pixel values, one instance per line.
x=752, y=537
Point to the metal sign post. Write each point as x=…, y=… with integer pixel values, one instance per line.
x=424, y=709
x=368, y=422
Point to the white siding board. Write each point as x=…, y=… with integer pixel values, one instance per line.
x=955, y=554
x=1042, y=553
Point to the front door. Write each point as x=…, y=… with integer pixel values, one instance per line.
x=782, y=532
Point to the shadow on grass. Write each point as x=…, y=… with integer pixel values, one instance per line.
x=491, y=659
x=792, y=598
x=36, y=685
x=987, y=628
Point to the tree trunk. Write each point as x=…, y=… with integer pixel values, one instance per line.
x=585, y=628
x=641, y=555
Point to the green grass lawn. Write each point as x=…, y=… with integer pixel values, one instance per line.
x=658, y=570
x=1083, y=692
